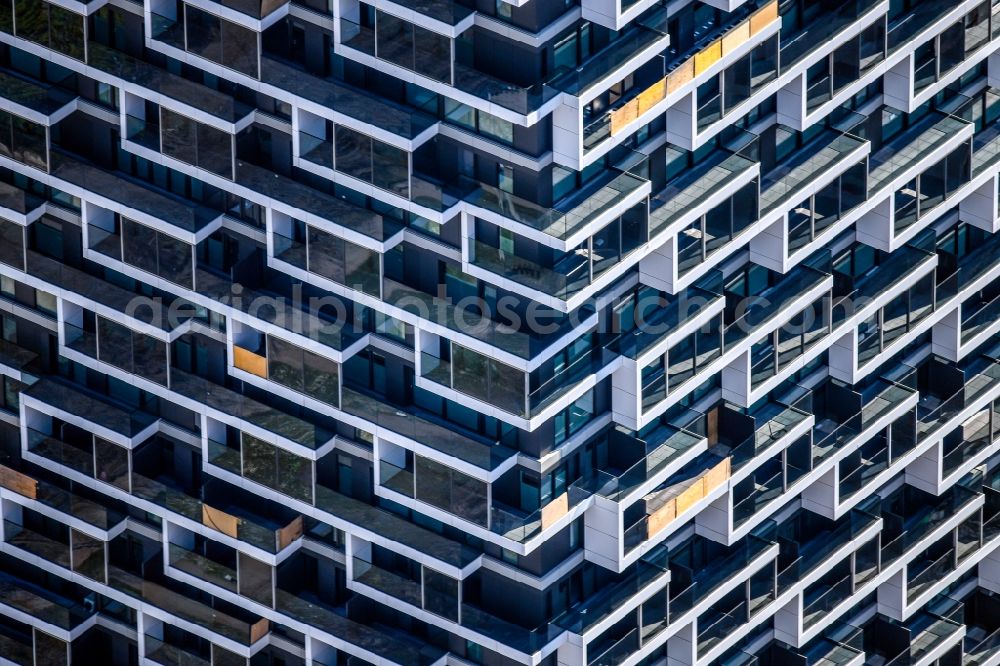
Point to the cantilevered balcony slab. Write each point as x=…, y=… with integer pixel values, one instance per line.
x=572, y=221
x=113, y=422
x=45, y=105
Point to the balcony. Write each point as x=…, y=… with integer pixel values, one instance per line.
x=954, y=390
x=986, y=142
x=233, y=405
x=508, y=96
x=203, y=568
x=167, y=654
x=801, y=284
x=896, y=161
x=19, y=651
x=786, y=184
x=132, y=195
x=982, y=628
x=690, y=587
x=25, y=205
x=23, y=596
x=915, y=515
x=18, y=362
x=688, y=193
x=485, y=455
x=285, y=311
x=93, y=289
x=639, y=37
x=660, y=324
x=315, y=613
x=842, y=647
x=971, y=271
x=912, y=23
x=592, y=205
x=744, y=437
x=132, y=70
x=675, y=498
x=811, y=547
x=63, y=501
x=802, y=43
x=663, y=448
x=388, y=527
x=314, y=204
x=68, y=400
x=470, y=324
x=643, y=577
x=271, y=534
x=34, y=101
x=857, y=293
x=365, y=108
x=187, y=609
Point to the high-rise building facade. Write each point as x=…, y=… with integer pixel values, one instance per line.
x=544, y=332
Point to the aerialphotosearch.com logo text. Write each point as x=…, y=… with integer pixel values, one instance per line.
x=319, y=317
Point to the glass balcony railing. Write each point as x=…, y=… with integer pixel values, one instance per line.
x=131, y=193
x=772, y=302
x=36, y=602
x=934, y=413
x=796, y=46
x=714, y=576
x=282, y=310
x=927, y=633
x=977, y=434
x=155, y=79
x=978, y=318
x=18, y=652
x=481, y=453
x=444, y=312
x=643, y=577
x=467, y=79
x=918, y=18
x=186, y=608
x=271, y=537
x=566, y=218
x=923, y=575
x=615, y=652
x=332, y=620
x=982, y=648
x=562, y=285
x=818, y=549
x=772, y=421
x=970, y=267
x=62, y=500
x=391, y=527
x=166, y=654
x=203, y=568
x=19, y=200
x=713, y=628
x=77, y=458
x=904, y=261
x=44, y=100
x=523, y=525
x=105, y=414
x=659, y=323
x=648, y=31
x=684, y=194
x=824, y=600
x=45, y=547
x=784, y=185
x=910, y=149
x=226, y=401
x=662, y=446
x=923, y=520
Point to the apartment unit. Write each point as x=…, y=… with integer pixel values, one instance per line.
x=542, y=332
